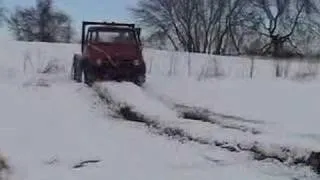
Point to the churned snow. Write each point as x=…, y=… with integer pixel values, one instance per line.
x=48, y=123
x=287, y=107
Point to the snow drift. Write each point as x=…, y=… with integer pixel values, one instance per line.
x=50, y=125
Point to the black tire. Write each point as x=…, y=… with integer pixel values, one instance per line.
x=89, y=76
x=76, y=70
x=140, y=80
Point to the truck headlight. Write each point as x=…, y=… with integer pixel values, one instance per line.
x=136, y=62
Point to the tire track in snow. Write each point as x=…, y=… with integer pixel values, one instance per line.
x=134, y=105
x=206, y=115
x=224, y=121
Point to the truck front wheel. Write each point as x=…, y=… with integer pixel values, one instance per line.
x=140, y=80
x=89, y=75
x=76, y=71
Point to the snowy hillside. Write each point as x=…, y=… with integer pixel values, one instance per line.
x=182, y=124
x=202, y=66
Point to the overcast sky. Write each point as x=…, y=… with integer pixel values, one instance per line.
x=112, y=10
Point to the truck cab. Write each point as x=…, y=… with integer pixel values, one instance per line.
x=111, y=51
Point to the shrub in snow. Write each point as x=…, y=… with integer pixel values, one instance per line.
x=211, y=69
x=282, y=67
x=45, y=64
x=27, y=62
x=4, y=168
x=251, y=67
x=53, y=66
x=173, y=65
x=307, y=71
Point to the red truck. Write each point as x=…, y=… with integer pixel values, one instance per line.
x=109, y=51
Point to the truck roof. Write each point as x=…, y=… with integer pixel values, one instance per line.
x=103, y=28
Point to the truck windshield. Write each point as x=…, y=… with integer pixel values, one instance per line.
x=113, y=36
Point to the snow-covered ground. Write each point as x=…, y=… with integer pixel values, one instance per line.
x=292, y=106
x=49, y=123
x=275, y=143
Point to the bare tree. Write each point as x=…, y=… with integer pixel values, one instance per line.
x=231, y=26
x=157, y=39
x=40, y=23
x=155, y=16
x=67, y=32
x=189, y=25
x=277, y=21
x=206, y=26
x=2, y=13
x=211, y=29
x=230, y=31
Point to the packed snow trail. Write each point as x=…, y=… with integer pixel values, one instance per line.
x=48, y=128
x=155, y=113
x=58, y=124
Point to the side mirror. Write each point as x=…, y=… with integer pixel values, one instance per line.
x=138, y=30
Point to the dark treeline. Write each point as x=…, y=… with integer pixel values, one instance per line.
x=257, y=27
x=279, y=28
x=41, y=22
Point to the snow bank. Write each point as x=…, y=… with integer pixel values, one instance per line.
x=203, y=66
x=32, y=57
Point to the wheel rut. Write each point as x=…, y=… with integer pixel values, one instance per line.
x=179, y=130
